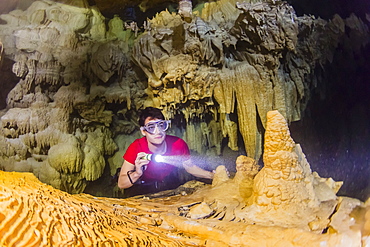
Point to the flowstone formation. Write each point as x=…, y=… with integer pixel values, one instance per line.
x=215, y=69
x=283, y=204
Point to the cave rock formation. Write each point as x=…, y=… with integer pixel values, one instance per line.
x=282, y=204
x=215, y=70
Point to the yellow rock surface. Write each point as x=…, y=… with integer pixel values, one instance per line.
x=35, y=214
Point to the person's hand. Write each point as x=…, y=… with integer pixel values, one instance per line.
x=140, y=163
x=222, y=167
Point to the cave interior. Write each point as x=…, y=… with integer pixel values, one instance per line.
x=334, y=126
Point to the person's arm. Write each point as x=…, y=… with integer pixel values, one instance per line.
x=196, y=170
x=130, y=173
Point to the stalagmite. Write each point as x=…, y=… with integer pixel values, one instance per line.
x=287, y=184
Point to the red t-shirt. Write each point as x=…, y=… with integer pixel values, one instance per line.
x=177, y=151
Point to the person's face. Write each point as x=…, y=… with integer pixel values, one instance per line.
x=155, y=130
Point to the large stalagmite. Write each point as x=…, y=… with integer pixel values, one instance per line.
x=286, y=187
x=283, y=204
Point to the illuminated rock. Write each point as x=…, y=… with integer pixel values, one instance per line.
x=34, y=214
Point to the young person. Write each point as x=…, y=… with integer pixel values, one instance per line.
x=140, y=175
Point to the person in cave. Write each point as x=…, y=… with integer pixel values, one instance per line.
x=140, y=175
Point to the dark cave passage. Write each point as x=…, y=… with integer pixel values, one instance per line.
x=335, y=130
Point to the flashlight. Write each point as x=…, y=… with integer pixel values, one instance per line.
x=153, y=157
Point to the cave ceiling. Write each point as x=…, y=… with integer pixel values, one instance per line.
x=111, y=7
x=108, y=8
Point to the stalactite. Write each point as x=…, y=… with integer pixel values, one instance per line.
x=191, y=136
x=230, y=130
x=243, y=79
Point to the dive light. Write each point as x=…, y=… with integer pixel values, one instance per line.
x=153, y=157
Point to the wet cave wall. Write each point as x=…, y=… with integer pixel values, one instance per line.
x=75, y=76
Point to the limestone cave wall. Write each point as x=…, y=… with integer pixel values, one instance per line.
x=215, y=68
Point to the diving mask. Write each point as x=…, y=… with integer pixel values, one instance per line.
x=162, y=125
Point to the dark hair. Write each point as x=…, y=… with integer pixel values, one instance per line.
x=150, y=112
